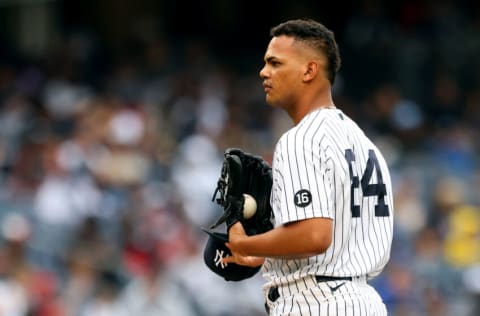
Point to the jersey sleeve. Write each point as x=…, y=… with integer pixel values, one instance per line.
x=305, y=179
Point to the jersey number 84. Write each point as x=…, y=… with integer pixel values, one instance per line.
x=377, y=189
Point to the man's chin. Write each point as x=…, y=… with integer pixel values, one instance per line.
x=270, y=101
x=274, y=104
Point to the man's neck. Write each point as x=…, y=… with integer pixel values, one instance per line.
x=301, y=109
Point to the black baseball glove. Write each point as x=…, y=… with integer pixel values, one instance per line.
x=242, y=173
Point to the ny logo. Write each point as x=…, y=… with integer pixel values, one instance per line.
x=218, y=259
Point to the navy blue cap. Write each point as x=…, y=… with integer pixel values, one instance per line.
x=216, y=250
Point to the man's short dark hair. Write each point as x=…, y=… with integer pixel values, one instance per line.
x=315, y=35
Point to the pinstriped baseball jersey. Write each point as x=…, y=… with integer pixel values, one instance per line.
x=325, y=166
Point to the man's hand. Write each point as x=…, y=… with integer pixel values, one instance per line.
x=236, y=235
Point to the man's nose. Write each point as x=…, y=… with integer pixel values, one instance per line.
x=263, y=73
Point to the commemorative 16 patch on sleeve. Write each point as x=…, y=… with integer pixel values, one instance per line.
x=302, y=198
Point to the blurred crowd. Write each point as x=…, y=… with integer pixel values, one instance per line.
x=108, y=163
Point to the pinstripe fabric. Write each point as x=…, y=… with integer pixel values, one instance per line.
x=314, y=167
x=351, y=298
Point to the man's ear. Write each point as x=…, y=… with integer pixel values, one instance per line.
x=311, y=71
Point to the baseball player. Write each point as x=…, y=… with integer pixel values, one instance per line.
x=331, y=196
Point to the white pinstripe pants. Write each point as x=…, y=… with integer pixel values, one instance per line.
x=350, y=298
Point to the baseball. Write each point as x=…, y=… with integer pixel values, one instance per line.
x=249, y=207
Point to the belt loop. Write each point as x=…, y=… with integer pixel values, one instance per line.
x=360, y=279
x=273, y=294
